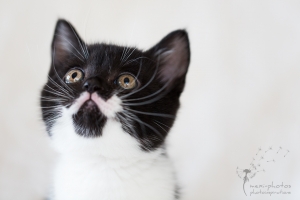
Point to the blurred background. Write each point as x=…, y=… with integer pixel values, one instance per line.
x=242, y=89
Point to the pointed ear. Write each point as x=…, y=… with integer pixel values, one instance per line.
x=66, y=42
x=172, y=55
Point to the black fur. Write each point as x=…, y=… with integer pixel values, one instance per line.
x=102, y=67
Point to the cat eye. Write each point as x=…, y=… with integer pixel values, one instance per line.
x=73, y=76
x=127, y=81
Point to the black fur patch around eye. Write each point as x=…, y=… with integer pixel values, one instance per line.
x=149, y=110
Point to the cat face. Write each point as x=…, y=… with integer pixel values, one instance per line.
x=98, y=83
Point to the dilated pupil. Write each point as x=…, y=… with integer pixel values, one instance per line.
x=74, y=75
x=126, y=80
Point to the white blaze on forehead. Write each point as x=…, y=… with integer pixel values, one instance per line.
x=110, y=107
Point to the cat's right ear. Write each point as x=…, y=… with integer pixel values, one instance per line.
x=172, y=56
x=66, y=42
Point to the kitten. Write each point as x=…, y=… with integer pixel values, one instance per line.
x=108, y=110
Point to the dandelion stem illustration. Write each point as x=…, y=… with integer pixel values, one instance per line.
x=246, y=179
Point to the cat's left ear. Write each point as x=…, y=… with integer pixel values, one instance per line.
x=66, y=42
x=172, y=55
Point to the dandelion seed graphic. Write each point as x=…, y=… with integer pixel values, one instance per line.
x=247, y=173
x=279, y=149
x=261, y=158
x=252, y=161
x=286, y=153
x=270, y=148
x=258, y=151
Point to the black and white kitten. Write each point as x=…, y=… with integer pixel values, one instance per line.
x=108, y=110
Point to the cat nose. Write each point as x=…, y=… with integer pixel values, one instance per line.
x=91, y=85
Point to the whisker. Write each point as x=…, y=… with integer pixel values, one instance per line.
x=122, y=54
x=160, y=126
x=129, y=54
x=151, y=95
x=145, y=140
x=152, y=114
x=53, y=100
x=149, y=126
x=50, y=98
x=85, y=25
x=52, y=107
x=85, y=54
x=128, y=114
x=62, y=82
x=55, y=93
x=127, y=124
x=60, y=87
x=133, y=60
x=135, y=91
x=77, y=56
x=125, y=53
x=58, y=92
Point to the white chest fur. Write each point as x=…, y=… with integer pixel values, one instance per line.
x=111, y=167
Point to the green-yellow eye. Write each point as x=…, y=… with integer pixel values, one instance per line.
x=73, y=76
x=127, y=81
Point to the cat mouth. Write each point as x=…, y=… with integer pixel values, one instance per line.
x=89, y=105
x=89, y=102
x=88, y=119
x=90, y=113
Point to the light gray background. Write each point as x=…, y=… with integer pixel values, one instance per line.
x=242, y=89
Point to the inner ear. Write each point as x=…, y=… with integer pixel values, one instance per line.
x=172, y=55
x=67, y=42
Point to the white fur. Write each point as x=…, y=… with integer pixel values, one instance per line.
x=110, y=167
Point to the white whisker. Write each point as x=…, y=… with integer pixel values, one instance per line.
x=60, y=87
x=151, y=114
x=59, y=92
x=133, y=60
x=129, y=55
x=79, y=41
x=62, y=82
x=149, y=126
x=135, y=91
x=160, y=127
x=162, y=124
x=55, y=93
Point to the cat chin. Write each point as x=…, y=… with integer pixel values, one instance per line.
x=89, y=121
x=113, y=143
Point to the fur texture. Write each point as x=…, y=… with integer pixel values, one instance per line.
x=111, y=136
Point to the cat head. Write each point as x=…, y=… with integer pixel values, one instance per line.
x=90, y=85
